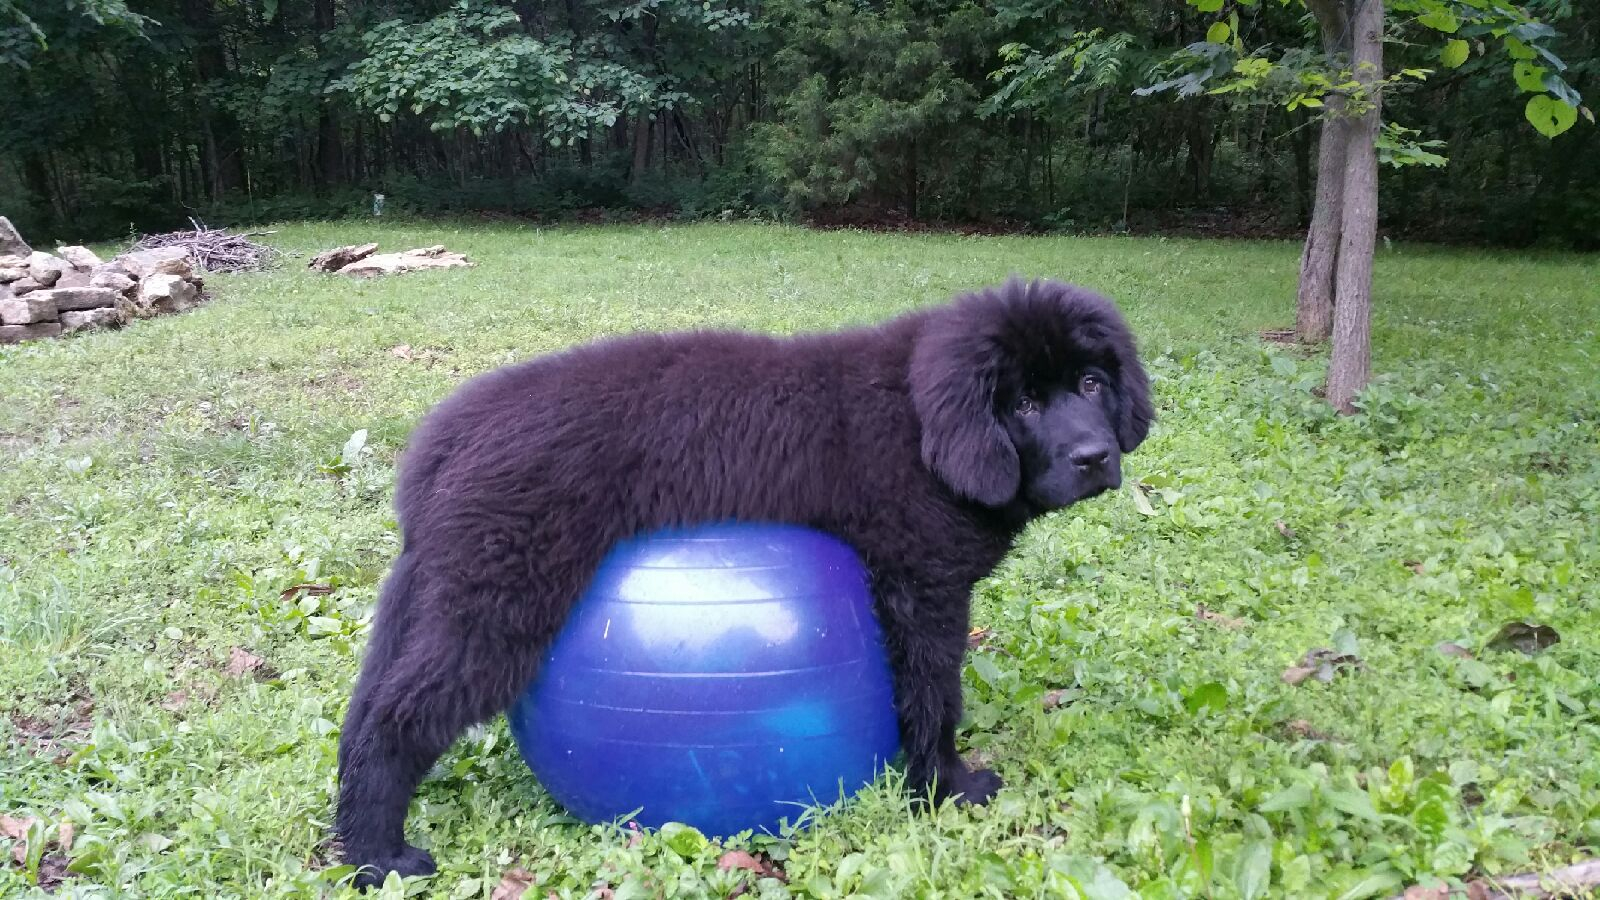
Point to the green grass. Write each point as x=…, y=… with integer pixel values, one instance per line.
x=160, y=486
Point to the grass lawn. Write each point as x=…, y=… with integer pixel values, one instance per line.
x=166, y=702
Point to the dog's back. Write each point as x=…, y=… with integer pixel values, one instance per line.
x=650, y=430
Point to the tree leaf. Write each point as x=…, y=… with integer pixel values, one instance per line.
x=242, y=662
x=758, y=864
x=1455, y=53
x=1216, y=618
x=1440, y=19
x=1296, y=674
x=1529, y=77
x=1550, y=117
x=1518, y=50
x=514, y=883
x=1207, y=6
x=1218, y=33
x=1562, y=91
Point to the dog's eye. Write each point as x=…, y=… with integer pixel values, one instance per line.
x=1089, y=385
x=1026, y=406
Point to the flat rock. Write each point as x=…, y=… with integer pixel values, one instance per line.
x=72, y=278
x=10, y=241
x=159, y=261
x=339, y=257
x=166, y=293
x=436, y=257
x=79, y=257
x=24, y=285
x=45, y=268
x=9, y=274
x=16, y=334
x=106, y=277
x=92, y=319
x=81, y=297
x=35, y=307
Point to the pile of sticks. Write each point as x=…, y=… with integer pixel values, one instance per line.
x=215, y=250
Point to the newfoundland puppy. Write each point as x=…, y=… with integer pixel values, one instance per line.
x=926, y=443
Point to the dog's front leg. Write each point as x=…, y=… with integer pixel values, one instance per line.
x=926, y=633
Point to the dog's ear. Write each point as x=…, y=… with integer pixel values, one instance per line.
x=955, y=368
x=1136, y=414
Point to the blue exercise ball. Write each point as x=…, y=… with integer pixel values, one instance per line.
x=722, y=676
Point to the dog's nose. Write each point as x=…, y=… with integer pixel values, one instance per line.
x=1086, y=456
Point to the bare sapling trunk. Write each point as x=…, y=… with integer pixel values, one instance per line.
x=1350, y=366
x=1313, y=320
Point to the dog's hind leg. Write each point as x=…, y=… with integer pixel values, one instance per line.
x=383, y=645
x=457, y=641
x=449, y=676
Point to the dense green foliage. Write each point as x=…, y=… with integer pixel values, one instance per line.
x=165, y=485
x=124, y=114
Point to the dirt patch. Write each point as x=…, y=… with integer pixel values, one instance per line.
x=9, y=441
x=334, y=384
x=56, y=733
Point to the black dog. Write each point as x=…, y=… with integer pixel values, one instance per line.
x=926, y=443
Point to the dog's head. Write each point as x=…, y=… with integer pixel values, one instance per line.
x=1029, y=392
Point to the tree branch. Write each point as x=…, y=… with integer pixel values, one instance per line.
x=1566, y=881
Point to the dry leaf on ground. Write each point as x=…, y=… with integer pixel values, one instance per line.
x=1216, y=618
x=513, y=883
x=242, y=662
x=751, y=862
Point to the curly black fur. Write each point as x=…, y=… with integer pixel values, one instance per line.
x=926, y=443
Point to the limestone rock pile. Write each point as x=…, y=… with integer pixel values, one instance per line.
x=46, y=295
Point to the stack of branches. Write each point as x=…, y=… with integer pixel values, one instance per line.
x=215, y=250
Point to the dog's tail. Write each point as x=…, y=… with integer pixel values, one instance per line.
x=394, y=610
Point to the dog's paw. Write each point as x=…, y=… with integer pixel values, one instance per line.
x=977, y=787
x=372, y=870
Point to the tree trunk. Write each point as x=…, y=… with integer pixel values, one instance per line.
x=1314, y=299
x=643, y=128
x=222, y=150
x=36, y=173
x=911, y=179
x=1302, y=178
x=330, y=140
x=1350, y=367
x=1313, y=320
x=642, y=132
x=1202, y=151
